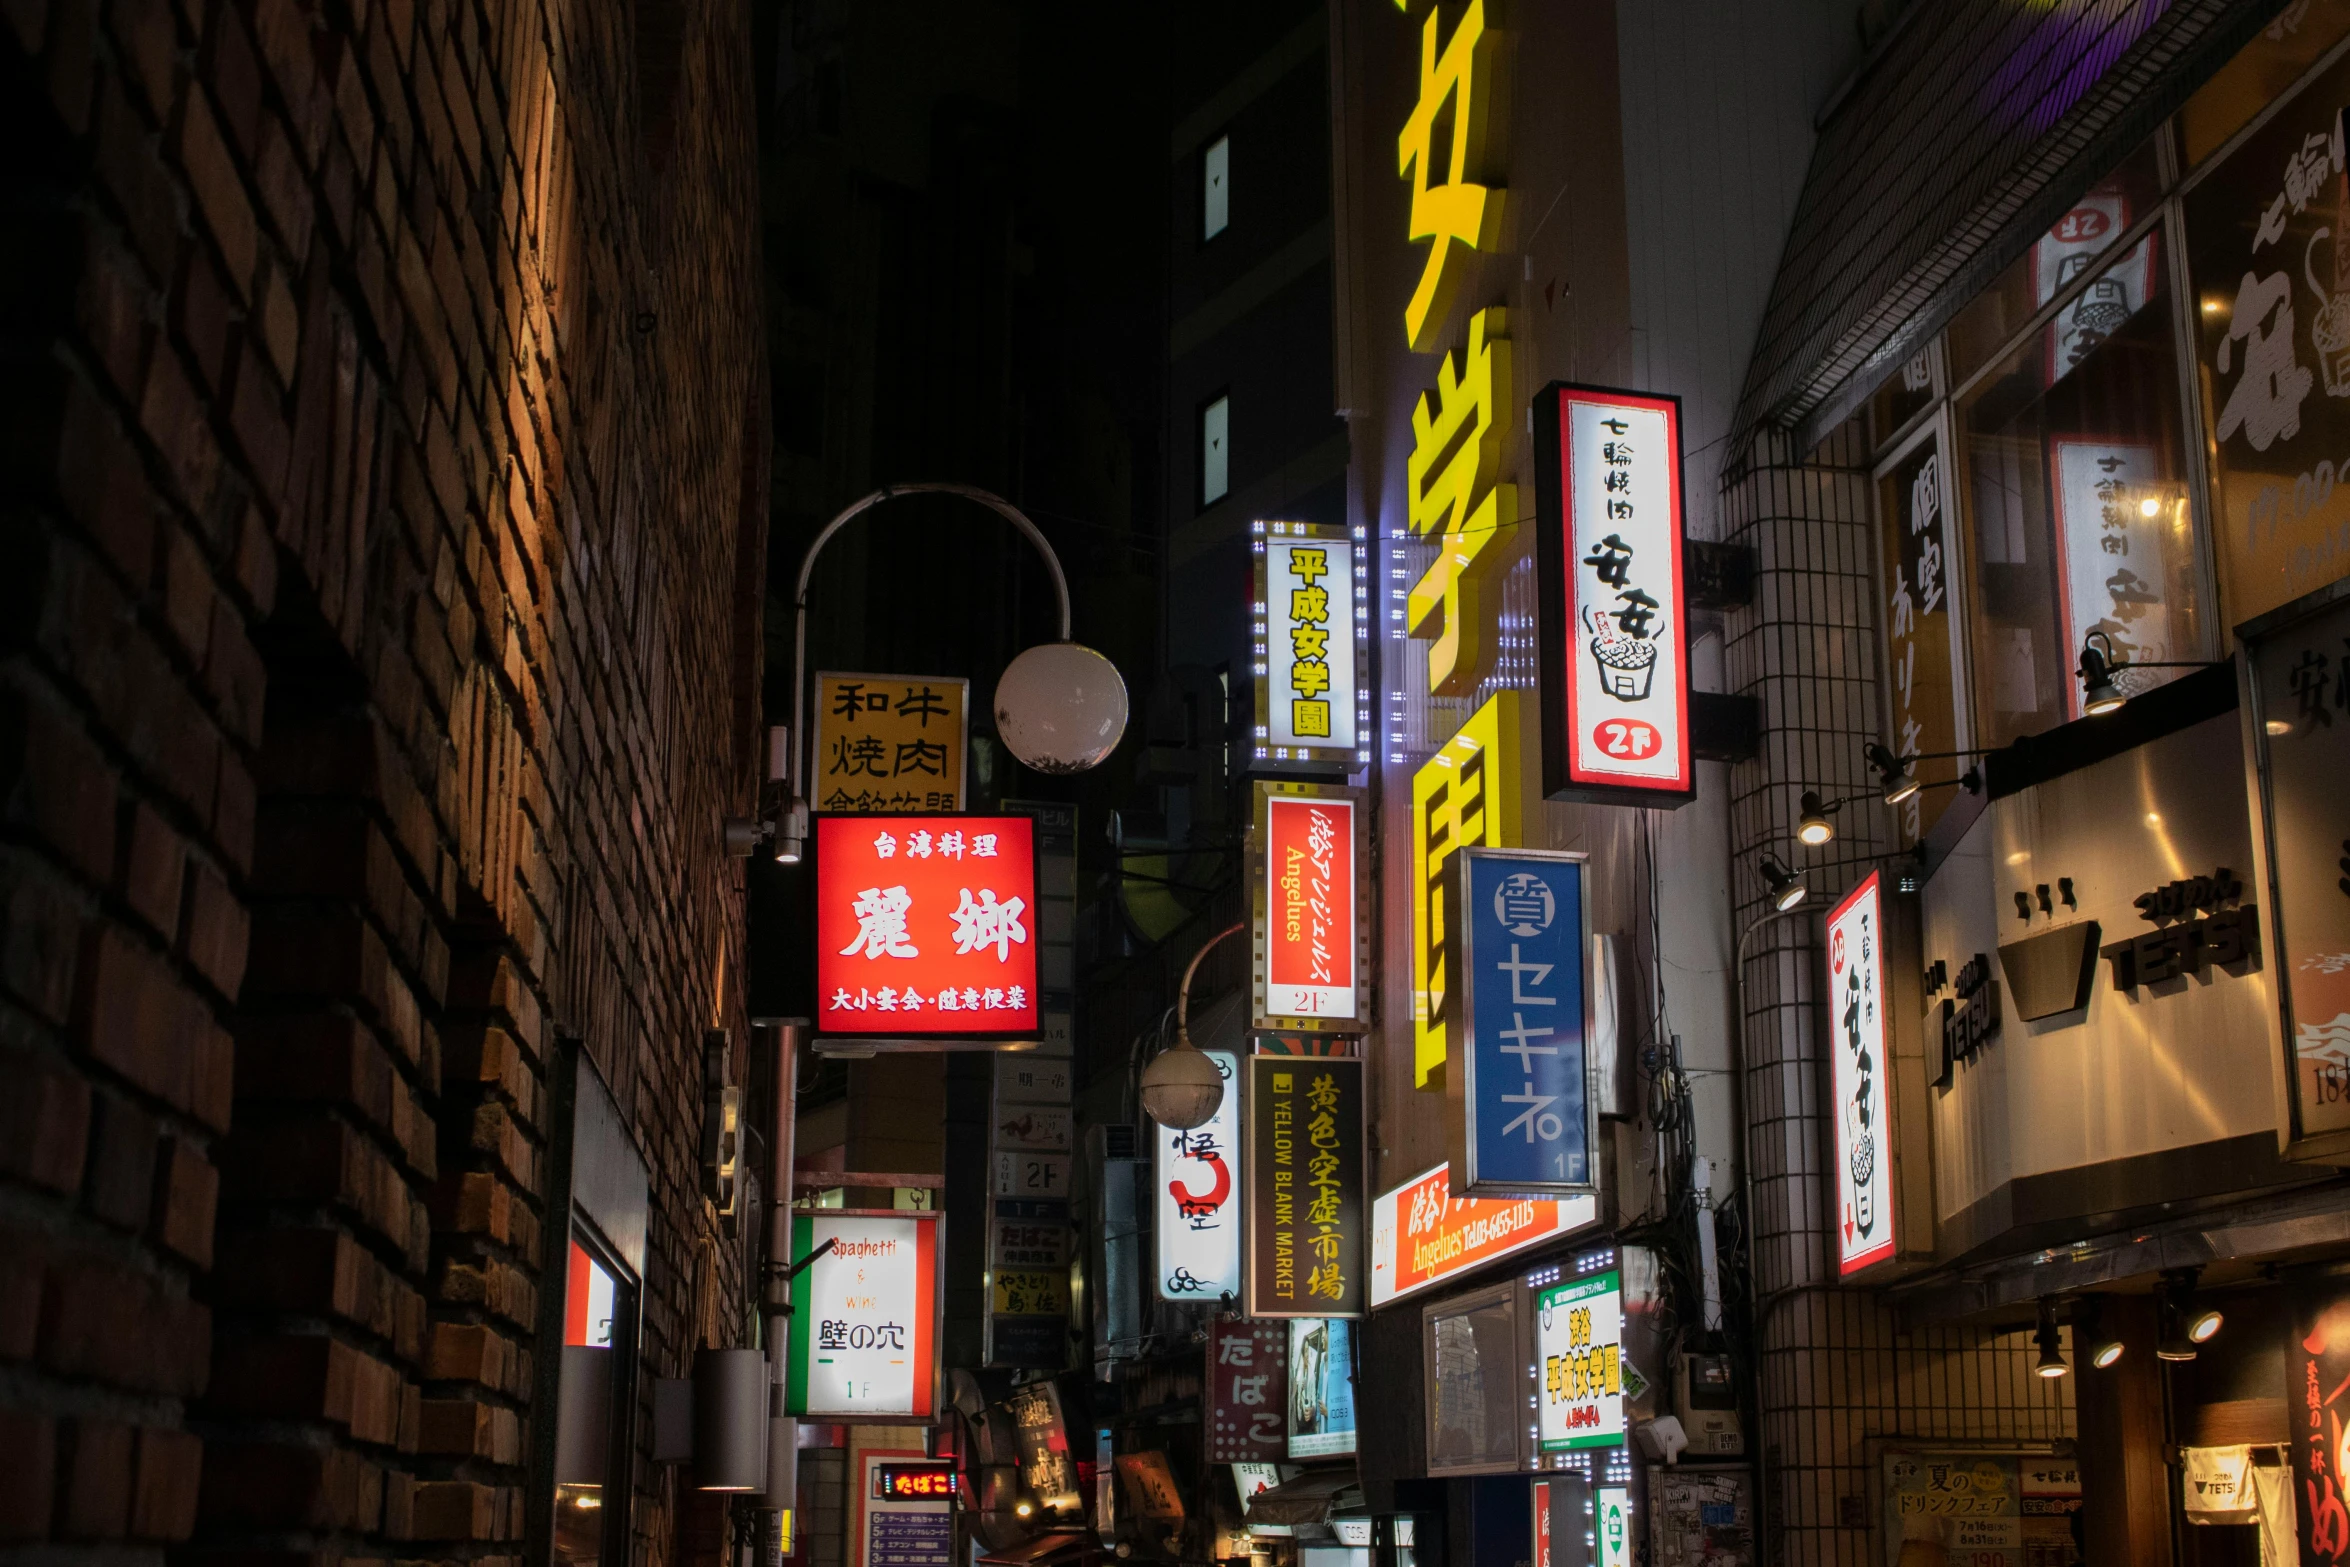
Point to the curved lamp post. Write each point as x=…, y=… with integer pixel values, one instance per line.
x=1181, y=1087
x=1060, y=707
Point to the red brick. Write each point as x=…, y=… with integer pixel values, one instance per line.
x=20, y=1299
x=232, y=811
x=122, y=1163
x=229, y=69
x=44, y=1122
x=188, y=596
x=272, y=1486
x=453, y=1510
x=28, y=1480
x=215, y=933
x=203, y=315
x=163, y=1492
x=220, y=194
x=53, y=780
x=40, y=938
x=127, y=166
x=232, y=669
x=153, y=862
x=94, y=1494
x=105, y=486
x=114, y=314
x=187, y=1192
x=134, y=1016
x=257, y=415
x=212, y=1078
x=148, y=36
x=173, y=417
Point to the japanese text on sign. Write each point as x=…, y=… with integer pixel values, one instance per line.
x=1452, y=206
x=1456, y=501
x=1309, y=590
x=1468, y=793
x=1195, y=1173
x=924, y=926
x=1309, y=900
x=1856, y=1010
x=1521, y=1095
x=1579, y=1346
x=1248, y=1378
x=1305, y=1187
x=889, y=743
x=863, y=1338
x=1423, y=1235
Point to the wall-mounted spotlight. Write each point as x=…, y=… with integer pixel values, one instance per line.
x=1815, y=828
x=1787, y=888
x=1893, y=772
x=2101, y=668
x=2050, y=1339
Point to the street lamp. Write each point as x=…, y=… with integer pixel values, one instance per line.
x=1181, y=1087
x=1060, y=707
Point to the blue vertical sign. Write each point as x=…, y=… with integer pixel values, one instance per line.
x=1519, y=1079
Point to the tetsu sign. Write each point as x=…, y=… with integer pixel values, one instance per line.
x=1613, y=621
x=925, y=926
x=1856, y=1025
x=1308, y=933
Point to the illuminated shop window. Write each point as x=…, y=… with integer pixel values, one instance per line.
x=591, y=1411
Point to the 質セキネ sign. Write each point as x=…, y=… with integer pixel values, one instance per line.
x=1313, y=694
x=926, y=926
x=864, y=1327
x=1860, y=1079
x=1309, y=946
x=1614, y=631
x=889, y=743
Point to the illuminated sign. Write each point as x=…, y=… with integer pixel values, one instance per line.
x=1578, y=1346
x=913, y=1482
x=1321, y=1414
x=1615, y=1526
x=889, y=743
x=1465, y=795
x=1614, y=627
x=1312, y=644
x=864, y=1326
x=1311, y=943
x=1863, y=1171
x=1422, y=1235
x=1247, y=1377
x=1197, y=1177
x=1454, y=205
x=1455, y=499
x=925, y=926
x=1523, y=1119
x=1305, y=1187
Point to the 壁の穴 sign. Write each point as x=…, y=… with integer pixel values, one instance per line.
x=889, y=743
x=1863, y=1173
x=1309, y=941
x=1305, y=1187
x=1613, y=622
x=864, y=1327
x=1523, y=1121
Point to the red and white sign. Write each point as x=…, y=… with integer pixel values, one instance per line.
x=926, y=925
x=1248, y=1385
x=1310, y=906
x=1421, y=1234
x=1615, y=634
x=1863, y=1112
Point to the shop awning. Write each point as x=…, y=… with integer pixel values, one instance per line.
x=1313, y=1497
x=1046, y=1550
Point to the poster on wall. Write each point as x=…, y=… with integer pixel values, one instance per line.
x=1196, y=1177
x=1612, y=620
x=1321, y=1413
x=1248, y=1373
x=2118, y=525
x=864, y=1328
x=1313, y=647
x=1309, y=945
x=1422, y=1235
x=891, y=743
x=1701, y=1518
x=2069, y=249
x=1862, y=1175
x=1578, y=1350
x=925, y=927
x=1984, y=1509
x=2299, y=721
x=1522, y=1118
x=1304, y=1180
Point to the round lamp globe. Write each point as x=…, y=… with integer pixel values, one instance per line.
x=1060, y=707
x=1181, y=1088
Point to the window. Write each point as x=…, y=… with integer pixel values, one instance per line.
x=1215, y=193
x=1215, y=458
x=1477, y=1383
x=594, y=1397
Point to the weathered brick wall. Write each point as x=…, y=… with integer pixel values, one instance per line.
x=382, y=498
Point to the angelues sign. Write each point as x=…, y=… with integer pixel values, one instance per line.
x=1308, y=948
x=1422, y=1235
x=1863, y=1173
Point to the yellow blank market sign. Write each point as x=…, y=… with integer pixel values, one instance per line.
x=889, y=743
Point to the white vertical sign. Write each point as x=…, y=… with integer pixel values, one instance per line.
x=1311, y=705
x=1196, y=1175
x=1862, y=1112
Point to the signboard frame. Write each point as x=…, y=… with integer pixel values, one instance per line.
x=1167, y=1213
x=1436, y=1182
x=1265, y=535
x=867, y=1507
x=1608, y=1282
x=825, y=728
x=1461, y=1049
x=1256, y=1298
x=803, y=1328
x=834, y=823
x=1260, y=876
x=1559, y=634
x=1867, y=901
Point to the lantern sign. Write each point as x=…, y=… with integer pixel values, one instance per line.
x=926, y=927
x=889, y=743
x=1311, y=946
x=1578, y=1349
x=1313, y=644
x=864, y=1326
x=1197, y=1177
x=1861, y=1078
x=1614, y=624
x=1523, y=1119
x=1305, y=1187
x=1422, y=1235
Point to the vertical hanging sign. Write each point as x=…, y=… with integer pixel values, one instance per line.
x=923, y=926
x=1305, y=1187
x=1311, y=943
x=1248, y=1381
x=1523, y=1121
x=1863, y=1172
x=1312, y=644
x=864, y=1335
x=1197, y=1178
x=1613, y=621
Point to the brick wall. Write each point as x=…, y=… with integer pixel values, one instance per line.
x=382, y=464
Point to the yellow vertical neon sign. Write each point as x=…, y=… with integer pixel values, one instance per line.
x=1456, y=212
x=1451, y=494
x=1469, y=793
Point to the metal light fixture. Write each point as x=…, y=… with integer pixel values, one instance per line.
x=1899, y=779
x=2050, y=1339
x=2099, y=694
x=2178, y=1337
x=2106, y=1354
x=1060, y=707
x=1815, y=828
x=1181, y=1088
x=2203, y=1326
x=1787, y=888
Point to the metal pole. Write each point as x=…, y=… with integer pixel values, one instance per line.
x=1183, y=991
x=783, y=1431
x=996, y=503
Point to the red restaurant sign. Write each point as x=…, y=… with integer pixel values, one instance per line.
x=926, y=926
x=1309, y=966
